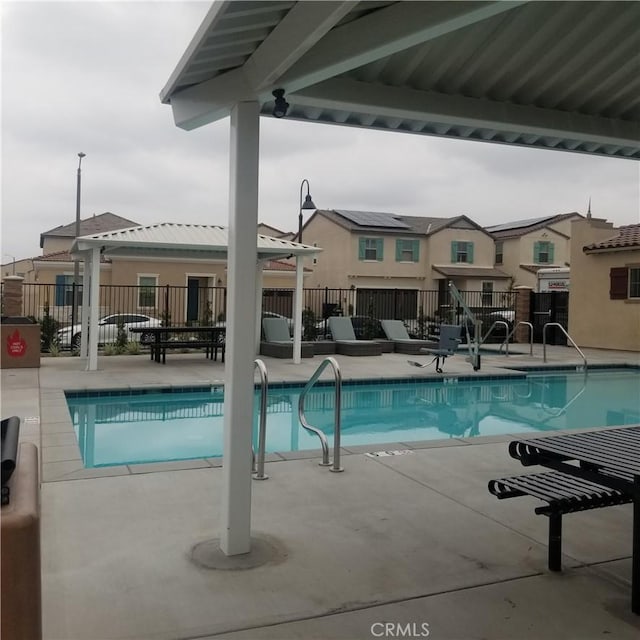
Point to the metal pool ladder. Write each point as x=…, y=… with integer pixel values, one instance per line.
x=262, y=434
x=336, y=468
x=569, y=338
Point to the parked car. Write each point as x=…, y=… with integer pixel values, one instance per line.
x=69, y=337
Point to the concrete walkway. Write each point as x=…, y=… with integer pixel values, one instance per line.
x=413, y=541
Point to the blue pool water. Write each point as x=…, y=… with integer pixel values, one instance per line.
x=142, y=426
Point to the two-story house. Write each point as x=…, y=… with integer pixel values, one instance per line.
x=524, y=246
x=385, y=255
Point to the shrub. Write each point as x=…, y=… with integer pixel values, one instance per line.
x=309, y=331
x=48, y=331
x=133, y=348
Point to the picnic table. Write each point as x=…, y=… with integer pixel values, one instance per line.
x=608, y=457
x=211, y=338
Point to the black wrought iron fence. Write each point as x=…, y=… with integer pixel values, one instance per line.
x=421, y=310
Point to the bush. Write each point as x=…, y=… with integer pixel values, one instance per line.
x=309, y=331
x=48, y=331
x=133, y=348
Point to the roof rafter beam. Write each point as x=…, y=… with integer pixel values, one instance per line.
x=383, y=33
x=303, y=26
x=409, y=104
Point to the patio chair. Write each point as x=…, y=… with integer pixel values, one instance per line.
x=447, y=346
x=402, y=343
x=278, y=342
x=346, y=342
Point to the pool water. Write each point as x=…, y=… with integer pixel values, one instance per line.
x=142, y=426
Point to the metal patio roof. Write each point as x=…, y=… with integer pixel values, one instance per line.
x=185, y=241
x=552, y=75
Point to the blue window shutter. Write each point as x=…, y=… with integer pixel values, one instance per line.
x=379, y=248
x=399, y=250
x=454, y=252
x=551, y=252
x=416, y=250
x=470, y=252
x=536, y=252
x=361, y=248
x=61, y=283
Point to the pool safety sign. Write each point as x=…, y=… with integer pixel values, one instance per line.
x=16, y=345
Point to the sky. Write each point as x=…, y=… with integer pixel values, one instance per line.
x=86, y=77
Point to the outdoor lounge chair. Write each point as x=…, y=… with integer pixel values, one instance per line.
x=345, y=338
x=397, y=333
x=447, y=346
x=278, y=342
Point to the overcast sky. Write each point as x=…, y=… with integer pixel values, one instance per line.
x=85, y=76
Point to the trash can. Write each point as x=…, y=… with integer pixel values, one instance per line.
x=20, y=342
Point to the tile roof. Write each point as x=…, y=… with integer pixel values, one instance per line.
x=626, y=237
x=95, y=224
x=61, y=256
x=279, y=265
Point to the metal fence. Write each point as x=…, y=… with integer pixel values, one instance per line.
x=421, y=310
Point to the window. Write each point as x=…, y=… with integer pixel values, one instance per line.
x=543, y=252
x=624, y=283
x=487, y=294
x=64, y=291
x=147, y=291
x=499, y=252
x=634, y=282
x=462, y=252
x=407, y=250
x=370, y=249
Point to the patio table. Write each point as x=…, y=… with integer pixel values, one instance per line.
x=610, y=457
x=211, y=337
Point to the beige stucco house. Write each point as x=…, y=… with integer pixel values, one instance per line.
x=604, y=304
x=524, y=246
x=376, y=253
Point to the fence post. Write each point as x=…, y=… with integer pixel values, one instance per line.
x=12, y=296
x=523, y=312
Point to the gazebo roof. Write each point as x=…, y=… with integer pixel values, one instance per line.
x=185, y=241
x=553, y=75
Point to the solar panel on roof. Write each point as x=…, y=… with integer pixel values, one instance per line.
x=373, y=219
x=518, y=224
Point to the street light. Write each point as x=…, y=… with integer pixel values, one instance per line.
x=76, y=266
x=6, y=255
x=306, y=205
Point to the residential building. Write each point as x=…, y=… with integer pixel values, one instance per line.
x=604, y=304
x=381, y=254
x=524, y=246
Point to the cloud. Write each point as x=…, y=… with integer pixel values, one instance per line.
x=86, y=76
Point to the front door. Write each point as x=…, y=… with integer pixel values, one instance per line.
x=193, y=292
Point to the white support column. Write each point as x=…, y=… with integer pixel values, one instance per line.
x=235, y=536
x=86, y=288
x=258, y=306
x=297, y=314
x=94, y=292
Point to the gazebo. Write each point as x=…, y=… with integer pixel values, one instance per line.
x=177, y=241
x=549, y=75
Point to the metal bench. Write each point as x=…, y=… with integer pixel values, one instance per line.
x=159, y=349
x=563, y=493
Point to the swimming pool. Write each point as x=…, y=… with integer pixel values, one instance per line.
x=136, y=426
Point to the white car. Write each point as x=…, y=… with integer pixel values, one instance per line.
x=69, y=337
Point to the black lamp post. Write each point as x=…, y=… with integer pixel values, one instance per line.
x=306, y=205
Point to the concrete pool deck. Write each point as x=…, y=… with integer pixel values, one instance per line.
x=410, y=540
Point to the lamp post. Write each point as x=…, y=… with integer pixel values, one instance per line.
x=306, y=205
x=76, y=265
x=14, y=262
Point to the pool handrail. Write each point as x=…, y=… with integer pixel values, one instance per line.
x=544, y=341
x=336, y=468
x=262, y=433
x=506, y=333
x=514, y=330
